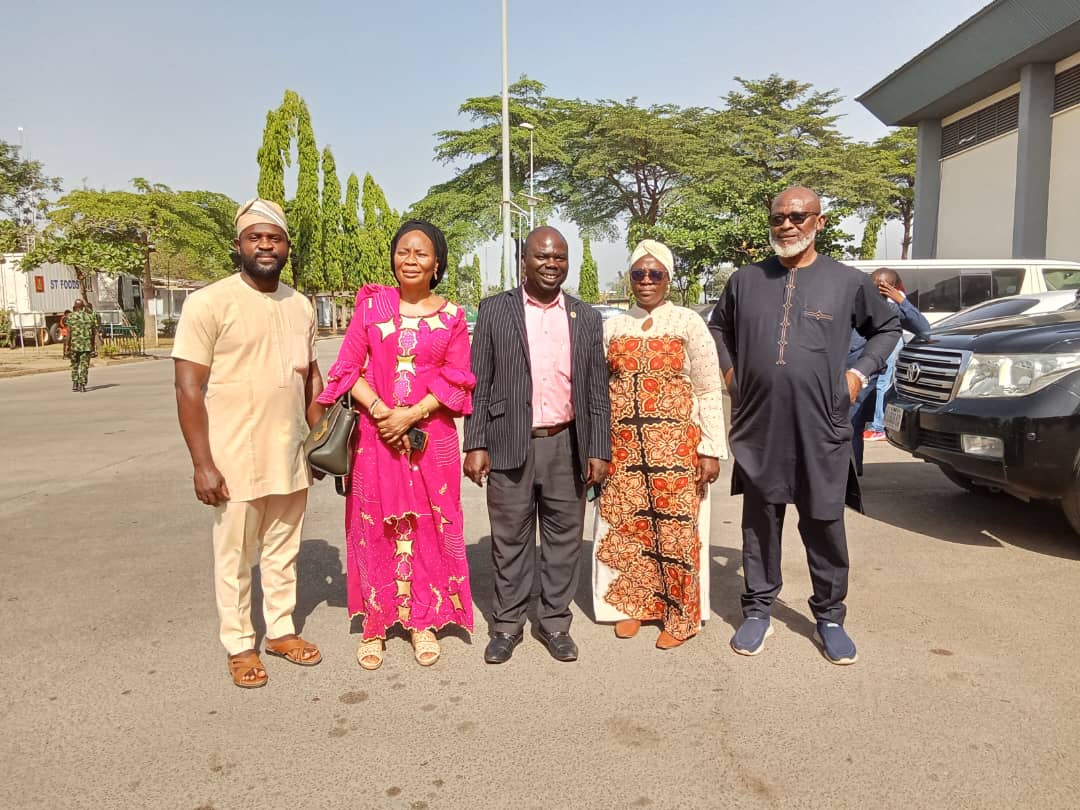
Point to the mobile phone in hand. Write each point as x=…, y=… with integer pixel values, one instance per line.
x=417, y=439
x=592, y=493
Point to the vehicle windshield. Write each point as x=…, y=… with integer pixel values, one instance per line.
x=986, y=312
x=1062, y=278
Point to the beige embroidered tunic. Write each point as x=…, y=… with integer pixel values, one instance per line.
x=258, y=347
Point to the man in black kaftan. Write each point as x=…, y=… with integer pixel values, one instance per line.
x=783, y=328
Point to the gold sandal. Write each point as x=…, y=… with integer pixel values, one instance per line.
x=425, y=647
x=366, y=650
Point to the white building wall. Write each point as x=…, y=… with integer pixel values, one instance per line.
x=1062, y=234
x=978, y=192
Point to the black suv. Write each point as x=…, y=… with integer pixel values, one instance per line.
x=996, y=405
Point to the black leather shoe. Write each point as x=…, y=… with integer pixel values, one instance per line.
x=501, y=647
x=560, y=645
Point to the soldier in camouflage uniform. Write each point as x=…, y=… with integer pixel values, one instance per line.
x=80, y=324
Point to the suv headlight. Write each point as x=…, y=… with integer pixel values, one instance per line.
x=1013, y=375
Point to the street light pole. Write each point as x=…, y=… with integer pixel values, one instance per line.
x=508, y=241
x=532, y=187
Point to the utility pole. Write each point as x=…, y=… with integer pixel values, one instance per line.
x=508, y=239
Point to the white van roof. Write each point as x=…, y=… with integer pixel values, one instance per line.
x=944, y=264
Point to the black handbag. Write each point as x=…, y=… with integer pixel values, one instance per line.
x=329, y=446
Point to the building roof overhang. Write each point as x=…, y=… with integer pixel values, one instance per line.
x=979, y=57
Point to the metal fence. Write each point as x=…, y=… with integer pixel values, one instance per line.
x=121, y=346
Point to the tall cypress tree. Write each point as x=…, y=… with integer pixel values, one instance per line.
x=352, y=235
x=305, y=207
x=380, y=224
x=450, y=288
x=476, y=291
x=273, y=157
x=588, y=283
x=332, y=236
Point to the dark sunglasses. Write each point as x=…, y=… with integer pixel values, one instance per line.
x=796, y=217
x=655, y=276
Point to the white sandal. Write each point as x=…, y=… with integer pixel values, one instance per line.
x=366, y=650
x=425, y=644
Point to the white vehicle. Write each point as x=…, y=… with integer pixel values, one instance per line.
x=941, y=287
x=1010, y=305
x=36, y=300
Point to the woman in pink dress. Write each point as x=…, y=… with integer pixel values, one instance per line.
x=405, y=360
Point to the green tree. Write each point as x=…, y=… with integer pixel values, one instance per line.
x=380, y=224
x=119, y=231
x=23, y=188
x=333, y=252
x=627, y=163
x=894, y=161
x=588, y=283
x=450, y=283
x=352, y=236
x=476, y=190
x=292, y=121
x=274, y=154
x=304, y=229
x=476, y=287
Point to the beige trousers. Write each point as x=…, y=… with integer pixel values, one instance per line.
x=264, y=531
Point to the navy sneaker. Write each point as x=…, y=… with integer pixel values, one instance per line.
x=749, y=639
x=836, y=643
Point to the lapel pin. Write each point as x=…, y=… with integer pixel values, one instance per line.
x=573, y=314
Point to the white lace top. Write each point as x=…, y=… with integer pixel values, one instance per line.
x=702, y=367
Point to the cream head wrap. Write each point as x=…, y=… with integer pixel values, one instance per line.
x=660, y=252
x=258, y=210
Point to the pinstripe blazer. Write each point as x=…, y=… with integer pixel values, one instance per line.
x=501, y=420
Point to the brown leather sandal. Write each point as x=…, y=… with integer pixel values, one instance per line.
x=292, y=649
x=627, y=628
x=247, y=663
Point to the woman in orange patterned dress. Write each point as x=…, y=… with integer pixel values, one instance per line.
x=667, y=437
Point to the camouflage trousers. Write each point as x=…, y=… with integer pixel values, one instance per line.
x=80, y=367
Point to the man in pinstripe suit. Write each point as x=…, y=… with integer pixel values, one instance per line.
x=539, y=435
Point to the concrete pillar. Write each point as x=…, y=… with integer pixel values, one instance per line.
x=927, y=190
x=1033, y=161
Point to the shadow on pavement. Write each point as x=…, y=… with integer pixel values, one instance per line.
x=90, y=388
x=320, y=577
x=918, y=498
x=726, y=587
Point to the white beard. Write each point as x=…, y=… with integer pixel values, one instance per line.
x=794, y=249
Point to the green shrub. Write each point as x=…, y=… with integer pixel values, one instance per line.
x=109, y=350
x=5, y=328
x=135, y=318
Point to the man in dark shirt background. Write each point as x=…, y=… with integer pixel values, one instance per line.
x=869, y=407
x=783, y=329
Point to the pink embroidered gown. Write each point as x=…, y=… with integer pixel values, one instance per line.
x=403, y=524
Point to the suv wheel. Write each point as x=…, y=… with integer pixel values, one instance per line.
x=964, y=482
x=1070, y=504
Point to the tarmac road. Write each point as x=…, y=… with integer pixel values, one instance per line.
x=115, y=691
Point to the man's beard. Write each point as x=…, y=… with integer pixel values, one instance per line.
x=794, y=249
x=253, y=268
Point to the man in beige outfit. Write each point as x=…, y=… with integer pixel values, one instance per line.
x=246, y=382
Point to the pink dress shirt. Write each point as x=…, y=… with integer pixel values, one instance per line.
x=548, y=329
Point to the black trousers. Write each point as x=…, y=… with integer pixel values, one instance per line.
x=826, y=552
x=546, y=488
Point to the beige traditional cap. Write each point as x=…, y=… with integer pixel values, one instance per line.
x=258, y=210
x=659, y=251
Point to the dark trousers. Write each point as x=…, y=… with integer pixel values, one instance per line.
x=862, y=414
x=826, y=552
x=546, y=488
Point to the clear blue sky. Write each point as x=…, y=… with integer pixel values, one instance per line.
x=178, y=92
